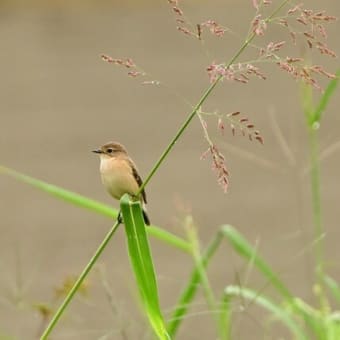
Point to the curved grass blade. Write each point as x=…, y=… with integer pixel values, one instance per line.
x=90, y=204
x=274, y=308
x=242, y=246
x=142, y=264
x=190, y=290
x=62, y=194
x=313, y=318
x=169, y=238
x=245, y=249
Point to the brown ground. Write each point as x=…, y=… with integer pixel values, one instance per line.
x=59, y=101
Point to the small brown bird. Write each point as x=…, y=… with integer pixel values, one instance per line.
x=119, y=173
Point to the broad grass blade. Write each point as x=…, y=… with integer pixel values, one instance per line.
x=142, y=264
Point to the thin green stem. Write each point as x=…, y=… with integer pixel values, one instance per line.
x=277, y=10
x=189, y=292
x=192, y=114
x=197, y=257
x=203, y=98
x=178, y=134
x=79, y=281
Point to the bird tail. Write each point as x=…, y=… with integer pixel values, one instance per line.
x=146, y=217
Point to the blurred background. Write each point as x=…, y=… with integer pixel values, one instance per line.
x=59, y=101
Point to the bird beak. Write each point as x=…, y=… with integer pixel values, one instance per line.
x=97, y=151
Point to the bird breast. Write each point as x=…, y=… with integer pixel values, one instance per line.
x=117, y=177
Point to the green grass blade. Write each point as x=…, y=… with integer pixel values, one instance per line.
x=246, y=250
x=90, y=204
x=169, y=238
x=313, y=318
x=225, y=318
x=276, y=310
x=142, y=264
x=201, y=269
x=62, y=194
x=333, y=326
x=197, y=257
x=327, y=95
x=190, y=290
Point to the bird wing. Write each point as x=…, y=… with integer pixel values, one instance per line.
x=138, y=180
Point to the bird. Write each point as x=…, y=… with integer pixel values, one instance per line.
x=119, y=173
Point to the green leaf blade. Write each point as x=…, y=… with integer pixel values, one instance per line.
x=92, y=205
x=192, y=286
x=142, y=264
x=246, y=250
x=62, y=194
x=275, y=309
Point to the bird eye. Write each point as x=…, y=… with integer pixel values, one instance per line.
x=109, y=150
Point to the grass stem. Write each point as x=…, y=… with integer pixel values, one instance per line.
x=203, y=98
